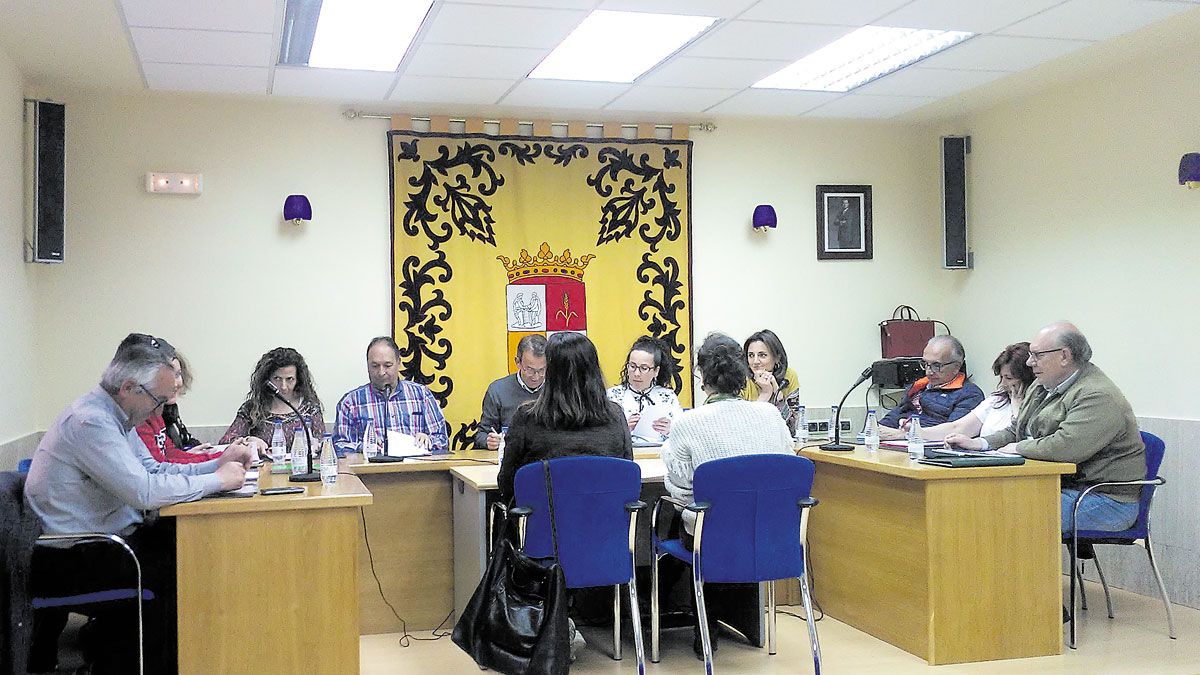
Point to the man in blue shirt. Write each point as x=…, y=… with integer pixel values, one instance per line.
x=387, y=402
x=943, y=395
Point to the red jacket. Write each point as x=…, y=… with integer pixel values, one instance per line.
x=154, y=434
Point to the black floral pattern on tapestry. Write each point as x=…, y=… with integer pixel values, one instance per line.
x=634, y=189
x=457, y=185
x=661, y=305
x=425, y=309
x=464, y=438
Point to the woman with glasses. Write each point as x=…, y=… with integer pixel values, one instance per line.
x=284, y=368
x=726, y=425
x=998, y=410
x=771, y=381
x=645, y=388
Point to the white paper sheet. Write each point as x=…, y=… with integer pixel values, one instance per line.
x=645, y=426
x=403, y=445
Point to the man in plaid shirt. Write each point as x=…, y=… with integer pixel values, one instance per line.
x=389, y=403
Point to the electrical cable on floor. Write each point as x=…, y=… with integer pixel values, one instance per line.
x=405, y=636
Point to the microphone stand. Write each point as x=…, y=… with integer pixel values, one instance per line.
x=837, y=445
x=312, y=476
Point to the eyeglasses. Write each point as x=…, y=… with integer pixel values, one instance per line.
x=1036, y=356
x=638, y=368
x=937, y=367
x=533, y=372
x=158, y=402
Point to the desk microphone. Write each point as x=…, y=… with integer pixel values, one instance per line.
x=312, y=476
x=837, y=445
x=387, y=414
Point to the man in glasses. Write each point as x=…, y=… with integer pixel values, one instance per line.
x=505, y=394
x=1074, y=413
x=943, y=395
x=92, y=473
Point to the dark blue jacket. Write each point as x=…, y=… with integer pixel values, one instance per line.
x=947, y=403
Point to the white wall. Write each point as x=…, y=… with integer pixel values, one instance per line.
x=826, y=312
x=220, y=275
x=1076, y=213
x=225, y=280
x=18, y=380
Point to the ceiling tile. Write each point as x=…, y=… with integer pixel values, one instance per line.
x=670, y=99
x=915, y=81
x=563, y=94
x=760, y=40
x=171, y=45
x=684, y=71
x=449, y=90
x=555, y=4
x=256, y=16
x=772, y=102
x=460, y=61
x=864, y=106
x=723, y=9
x=997, y=52
x=860, y=12
x=332, y=83
x=977, y=17
x=1096, y=19
x=502, y=26
x=221, y=79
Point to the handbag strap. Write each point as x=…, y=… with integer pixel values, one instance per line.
x=550, y=501
x=906, y=313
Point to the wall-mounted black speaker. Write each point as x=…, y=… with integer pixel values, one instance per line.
x=45, y=133
x=954, y=202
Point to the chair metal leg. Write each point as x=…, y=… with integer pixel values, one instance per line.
x=813, y=642
x=1162, y=589
x=771, y=618
x=654, y=607
x=702, y=618
x=617, y=622
x=1104, y=585
x=1082, y=590
x=635, y=617
x=1074, y=576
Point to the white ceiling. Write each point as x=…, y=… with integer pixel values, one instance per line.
x=476, y=53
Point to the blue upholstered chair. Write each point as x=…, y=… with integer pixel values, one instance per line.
x=1138, y=534
x=751, y=519
x=596, y=504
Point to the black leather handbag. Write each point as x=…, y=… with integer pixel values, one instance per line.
x=516, y=621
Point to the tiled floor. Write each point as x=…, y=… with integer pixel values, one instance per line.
x=1134, y=642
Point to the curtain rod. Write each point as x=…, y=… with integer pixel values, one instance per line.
x=352, y=114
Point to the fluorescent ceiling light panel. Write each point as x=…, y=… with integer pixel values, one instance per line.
x=861, y=56
x=365, y=34
x=619, y=46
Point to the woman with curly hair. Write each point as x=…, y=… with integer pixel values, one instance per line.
x=646, y=384
x=285, y=368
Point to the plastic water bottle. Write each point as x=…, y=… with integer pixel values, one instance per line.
x=370, y=442
x=299, y=451
x=329, y=464
x=833, y=421
x=916, y=444
x=801, y=425
x=279, y=454
x=871, y=433
x=500, y=448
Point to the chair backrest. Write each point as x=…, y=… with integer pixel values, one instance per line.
x=590, y=494
x=1155, y=448
x=752, y=528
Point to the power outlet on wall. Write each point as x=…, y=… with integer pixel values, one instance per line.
x=821, y=427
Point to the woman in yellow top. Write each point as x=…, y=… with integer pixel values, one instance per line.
x=770, y=378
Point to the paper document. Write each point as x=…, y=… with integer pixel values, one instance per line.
x=645, y=426
x=903, y=445
x=403, y=445
x=252, y=475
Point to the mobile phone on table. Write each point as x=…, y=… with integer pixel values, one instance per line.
x=281, y=491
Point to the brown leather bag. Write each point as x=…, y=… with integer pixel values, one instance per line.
x=906, y=333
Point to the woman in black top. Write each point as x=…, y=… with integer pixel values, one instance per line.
x=571, y=415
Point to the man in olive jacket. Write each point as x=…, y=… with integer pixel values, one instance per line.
x=1074, y=413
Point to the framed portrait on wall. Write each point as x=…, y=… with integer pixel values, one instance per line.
x=844, y=222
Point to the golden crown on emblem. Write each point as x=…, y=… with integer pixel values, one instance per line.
x=545, y=264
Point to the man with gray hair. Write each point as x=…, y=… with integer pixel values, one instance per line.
x=1074, y=413
x=92, y=473
x=943, y=395
x=505, y=394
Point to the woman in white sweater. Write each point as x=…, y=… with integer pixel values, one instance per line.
x=725, y=426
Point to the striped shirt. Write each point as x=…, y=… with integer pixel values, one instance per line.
x=411, y=410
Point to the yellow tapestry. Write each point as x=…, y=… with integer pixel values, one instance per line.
x=497, y=237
